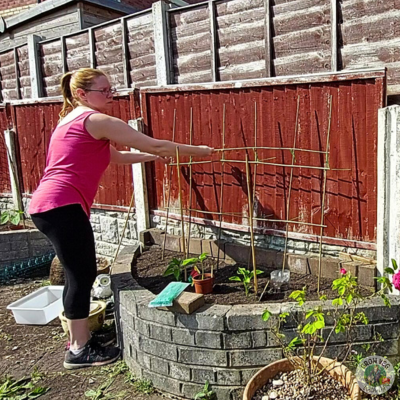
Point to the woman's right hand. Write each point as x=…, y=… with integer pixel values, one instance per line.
x=205, y=151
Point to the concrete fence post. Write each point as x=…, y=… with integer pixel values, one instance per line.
x=13, y=169
x=140, y=186
x=388, y=207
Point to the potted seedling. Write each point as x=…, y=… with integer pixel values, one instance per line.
x=177, y=266
x=305, y=367
x=12, y=217
x=245, y=276
x=203, y=282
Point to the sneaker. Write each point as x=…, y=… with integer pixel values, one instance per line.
x=92, y=355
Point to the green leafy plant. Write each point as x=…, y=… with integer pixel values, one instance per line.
x=21, y=389
x=312, y=334
x=201, y=259
x=206, y=393
x=245, y=276
x=12, y=216
x=176, y=267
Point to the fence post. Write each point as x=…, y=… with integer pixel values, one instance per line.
x=140, y=186
x=9, y=136
x=34, y=66
x=388, y=210
x=162, y=43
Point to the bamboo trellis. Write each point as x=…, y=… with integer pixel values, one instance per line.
x=251, y=190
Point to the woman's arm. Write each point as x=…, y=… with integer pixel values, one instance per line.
x=127, y=157
x=102, y=126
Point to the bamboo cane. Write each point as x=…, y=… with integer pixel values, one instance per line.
x=180, y=201
x=222, y=190
x=169, y=190
x=190, y=183
x=251, y=224
x=290, y=183
x=324, y=192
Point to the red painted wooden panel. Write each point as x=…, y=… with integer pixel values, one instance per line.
x=5, y=184
x=35, y=123
x=350, y=204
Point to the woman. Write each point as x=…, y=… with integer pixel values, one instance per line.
x=79, y=152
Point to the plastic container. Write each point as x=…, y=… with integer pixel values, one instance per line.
x=280, y=280
x=39, y=307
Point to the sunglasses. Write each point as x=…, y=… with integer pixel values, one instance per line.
x=105, y=92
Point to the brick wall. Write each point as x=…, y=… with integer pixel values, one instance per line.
x=9, y=8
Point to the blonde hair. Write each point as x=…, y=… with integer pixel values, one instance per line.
x=71, y=81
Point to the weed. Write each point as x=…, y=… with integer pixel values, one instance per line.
x=21, y=389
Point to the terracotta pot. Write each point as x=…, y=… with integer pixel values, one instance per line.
x=204, y=286
x=337, y=370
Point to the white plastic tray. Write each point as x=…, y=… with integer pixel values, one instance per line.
x=39, y=307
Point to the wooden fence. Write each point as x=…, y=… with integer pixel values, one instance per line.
x=215, y=41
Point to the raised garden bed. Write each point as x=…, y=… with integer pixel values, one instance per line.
x=149, y=267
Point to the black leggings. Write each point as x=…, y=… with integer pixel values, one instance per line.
x=69, y=230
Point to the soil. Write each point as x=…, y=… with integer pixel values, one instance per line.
x=40, y=350
x=149, y=267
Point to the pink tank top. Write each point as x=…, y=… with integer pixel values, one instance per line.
x=75, y=164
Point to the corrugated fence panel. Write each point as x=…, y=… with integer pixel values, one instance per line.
x=191, y=45
x=52, y=67
x=35, y=124
x=77, y=49
x=5, y=183
x=141, y=52
x=301, y=37
x=109, y=54
x=351, y=198
x=241, y=39
x=24, y=72
x=8, y=76
x=371, y=37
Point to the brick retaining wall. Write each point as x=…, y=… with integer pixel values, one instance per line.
x=223, y=344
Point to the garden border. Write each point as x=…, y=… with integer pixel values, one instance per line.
x=223, y=344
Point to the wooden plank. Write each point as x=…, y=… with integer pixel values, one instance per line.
x=248, y=16
x=191, y=62
x=242, y=33
x=240, y=54
x=249, y=70
x=189, y=44
x=363, y=8
x=188, y=16
x=141, y=48
x=190, y=29
x=307, y=41
x=303, y=64
x=267, y=37
x=238, y=6
x=300, y=20
x=125, y=52
x=296, y=5
x=213, y=41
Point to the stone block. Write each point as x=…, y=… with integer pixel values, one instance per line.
x=160, y=332
x=297, y=264
x=247, y=374
x=172, y=242
x=209, y=340
x=237, y=340
x=227, y=377
x=259, y=339
x=351, y=266
x=212, y=247
x=366, y=275
x=195, y=245
x=387, y=330
x=245, y=318
x=269, y=258
x=163, y=383
x=200, y=375
x=196, y=356
x=164, y=350
x=183, y=336
x=143, y=327
x=208, y=317
x=247, y=358
x=159, y=366
x=272, y=341
x=143, y=360
x=329, y=267
x=187, y=303
x=179, y=371
x=237, y=252
x=153, y=314
x=359, y=333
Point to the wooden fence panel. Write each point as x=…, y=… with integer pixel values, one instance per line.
x=52, y=67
